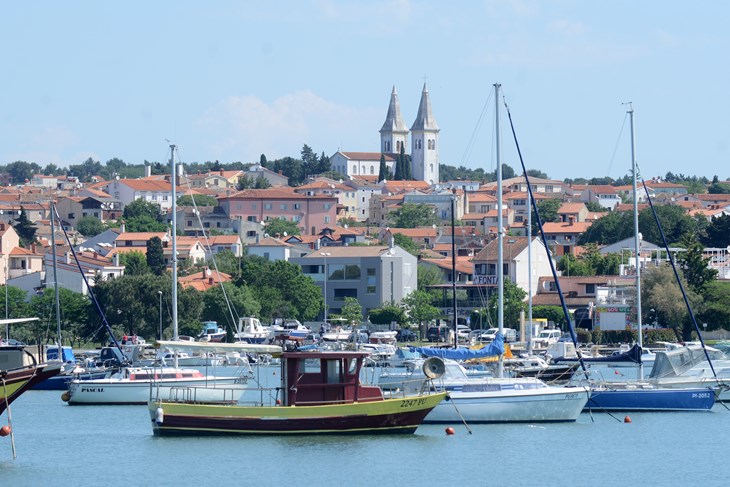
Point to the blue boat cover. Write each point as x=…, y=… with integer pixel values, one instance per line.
x=494, y=348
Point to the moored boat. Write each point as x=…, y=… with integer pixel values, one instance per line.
x=320, y=393
x=21, y=371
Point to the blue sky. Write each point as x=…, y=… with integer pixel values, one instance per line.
x=230, y=80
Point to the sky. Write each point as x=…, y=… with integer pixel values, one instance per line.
x=231, y=80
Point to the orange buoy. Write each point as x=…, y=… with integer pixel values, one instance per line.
x=449, y=431
x=627, y=419
x=5, y=430
x=278, y=402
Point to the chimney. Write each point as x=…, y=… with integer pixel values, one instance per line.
x=147, y=170
x=391, y=242
x=571, y=220
x=32, y=247
x=121, y=227
x=116, y=260
x=2, y=226
x=180, y=170
x=210, y=281
x=317, y=244
x=203, y=276
x=68, y=257
x=221, y=172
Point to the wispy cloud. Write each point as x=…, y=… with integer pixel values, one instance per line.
x=243, y=127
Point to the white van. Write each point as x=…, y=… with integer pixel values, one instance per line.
x=510, y=334
x=546, y=338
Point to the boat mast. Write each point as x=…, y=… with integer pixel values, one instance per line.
x=453, y=270
x=637, y=237
x=55, y=280
x=500, y=227
x=529, y=275
x=173, y=183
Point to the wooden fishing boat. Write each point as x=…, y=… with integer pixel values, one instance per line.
x=320, y=393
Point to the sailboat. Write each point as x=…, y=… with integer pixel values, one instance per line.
x=132, y=384
x=501, y=399
x=644, y=395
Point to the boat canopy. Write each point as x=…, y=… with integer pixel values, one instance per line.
x=496, y=347
x=218, y=347
x=673, y=363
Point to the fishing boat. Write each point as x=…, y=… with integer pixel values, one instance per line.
x=319, y=393
x=131, y=384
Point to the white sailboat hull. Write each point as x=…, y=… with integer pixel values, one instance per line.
x=552, y=404
x=124, y=391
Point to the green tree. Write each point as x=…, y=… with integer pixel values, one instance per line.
x=90, y=226
x=613, y=227
x=241, y=299
x=388, y=314
x=716, y=314
x=406, y=243
x=310, y=162
x=155, y=256
x=383, y=170
x=420, y=309
x=693, y=263
x=281, y=226
x=140, y=208
x=75, y=308
x=660, y=292
x=412, y=215
x=716, y=187
x=245, y=182
x=135, y=263
x=595, y=207
x=198, y=199
x=551, y=313
x=534, y=173
x=351, y=311
x=572, y=266
x=18, y=306
x=428, y=275
x=227, y=262
x=25, y=228
x=144, y=223
x=21, y=171
x=718, y=232
x=674, y=220
x=548, y=212
x=513, y=304
x=261, y=182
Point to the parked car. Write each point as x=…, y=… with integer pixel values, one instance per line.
x=437, y=333
x=405, y=335
x=510, y=334
x=12, y=342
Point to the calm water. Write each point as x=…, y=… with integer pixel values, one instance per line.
x=113, y=445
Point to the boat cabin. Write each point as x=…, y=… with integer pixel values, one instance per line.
x=319, y=378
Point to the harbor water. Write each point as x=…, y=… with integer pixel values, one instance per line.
x=59, y=444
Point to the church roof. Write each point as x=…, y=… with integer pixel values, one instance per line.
x=393, y=120
x=424, y=119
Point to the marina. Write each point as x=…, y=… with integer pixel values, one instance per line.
x=112, y=444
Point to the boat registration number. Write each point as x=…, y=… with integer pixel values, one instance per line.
x=407, y=403
x=572, y=395
x=701, y=395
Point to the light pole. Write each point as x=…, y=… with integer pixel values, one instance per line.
x=160, y=293
x=325, y=255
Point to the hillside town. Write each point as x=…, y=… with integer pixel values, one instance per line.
x=371, y=227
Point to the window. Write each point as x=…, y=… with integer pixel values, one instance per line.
x=251, y=234
x=372, y=170
x=590, y=289
x=282, y=206
x=154, y=197
x=190, y=223
x=267, y=206
x=71, y=216
x=253, y=206
x=327, y=206
x=206, y=224
x=266, y=256
x=297, y=206
x=218, y=224
x=251, y=219
x=371, y=287
x=343, y=272
x=341, y=294
x=326, y=219
x=354, y=169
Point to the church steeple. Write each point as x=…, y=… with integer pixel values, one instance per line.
x=424, y=142
x=394, y=132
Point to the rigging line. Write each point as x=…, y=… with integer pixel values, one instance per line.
x=679, y=281
x=615, y=148
x=231, y=309
x=538, y=219
x=86, y=281
x=477, y=127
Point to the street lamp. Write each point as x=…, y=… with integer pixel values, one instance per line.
x=160, y=293
x=325, y=255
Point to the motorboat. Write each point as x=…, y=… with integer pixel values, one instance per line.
x=290, y=330
x=319, y=393
x=20, y=371
x=534, y=366
x=250, y=330
x=212, y=332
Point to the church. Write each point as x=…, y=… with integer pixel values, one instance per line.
x=394, y=134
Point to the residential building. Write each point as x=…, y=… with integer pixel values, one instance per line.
x=92, y=265
x=563, y=236
x=71, y=209
x=156, y=191
x=272, y=248
x=604, y=195
x=204, y=280
x=374, y=275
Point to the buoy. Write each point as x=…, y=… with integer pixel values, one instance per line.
x=278, y=402
x=65, y=397
x=159, y=416
x=449, y=431
x=627, y=419
x=5, y=430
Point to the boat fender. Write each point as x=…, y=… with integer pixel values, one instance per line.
x=159, y=416
x=5, y=430
x=447, y=398
x=65, y=396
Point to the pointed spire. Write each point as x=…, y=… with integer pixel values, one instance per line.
x=393, y=120
x=424, y=119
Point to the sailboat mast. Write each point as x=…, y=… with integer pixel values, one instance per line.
x=637, y=235
x=173, y=183
x=55, y=280
x=529, y=275
x=500, y=226
x=453, y=269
